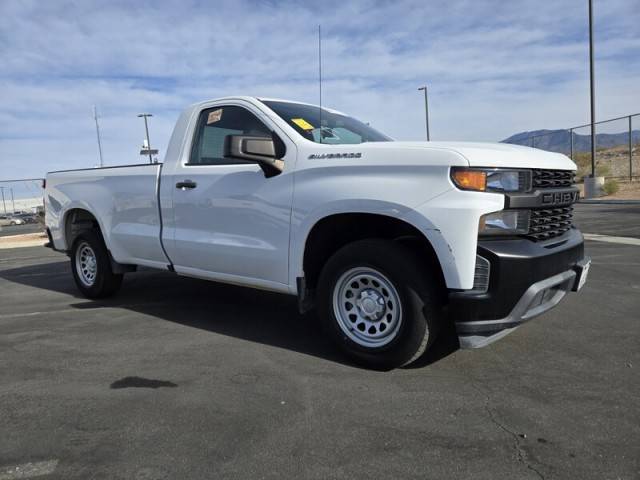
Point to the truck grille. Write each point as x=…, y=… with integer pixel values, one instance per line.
x=552, y=178
x=546, y=223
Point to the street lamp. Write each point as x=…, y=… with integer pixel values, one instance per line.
x=426, y=109
x=148, y=149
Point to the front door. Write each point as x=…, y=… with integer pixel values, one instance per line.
x=229, y=222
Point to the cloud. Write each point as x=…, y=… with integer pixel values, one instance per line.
x=493, y=67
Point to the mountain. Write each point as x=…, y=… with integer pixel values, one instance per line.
x=559, y=140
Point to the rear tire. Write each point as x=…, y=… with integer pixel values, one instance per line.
x=377, y=304
x=91, y=266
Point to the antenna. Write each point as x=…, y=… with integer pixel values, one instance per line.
x=320, y=76
x=95, y=117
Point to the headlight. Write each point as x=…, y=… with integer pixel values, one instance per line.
x=505, y=222
x=491, y=179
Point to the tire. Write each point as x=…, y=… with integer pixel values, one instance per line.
x=381, y=334
x=91, y=266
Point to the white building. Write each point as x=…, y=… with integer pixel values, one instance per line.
x=21, y=205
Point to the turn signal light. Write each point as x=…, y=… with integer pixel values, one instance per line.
x=470, y=179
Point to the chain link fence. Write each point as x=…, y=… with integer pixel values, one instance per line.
x=617, y=151
x=617, y=146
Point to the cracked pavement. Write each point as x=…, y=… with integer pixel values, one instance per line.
x=180, y=378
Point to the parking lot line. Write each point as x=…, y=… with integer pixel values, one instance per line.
x=35, y=314
x=612, y=239
x=28, y=470
x=79, y=308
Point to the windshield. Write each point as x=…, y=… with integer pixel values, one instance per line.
x=337, y=129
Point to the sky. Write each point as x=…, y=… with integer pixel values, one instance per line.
x=493, y=67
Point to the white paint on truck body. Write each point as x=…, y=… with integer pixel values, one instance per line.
x=240, y=227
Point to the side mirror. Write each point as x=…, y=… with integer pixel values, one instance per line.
x=264, y=151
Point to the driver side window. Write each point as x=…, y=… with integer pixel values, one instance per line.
x=214, y=126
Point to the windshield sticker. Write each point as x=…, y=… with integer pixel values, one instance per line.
x=302, y=123
x=214, y=116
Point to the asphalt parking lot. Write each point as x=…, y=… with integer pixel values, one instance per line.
x=180, y=378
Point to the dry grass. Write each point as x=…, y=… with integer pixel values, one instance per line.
x=613, y=163
x=626, y=191
x=610, y=162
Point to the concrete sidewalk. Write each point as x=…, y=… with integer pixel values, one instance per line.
x=20, y=241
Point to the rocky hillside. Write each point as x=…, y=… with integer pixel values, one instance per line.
x=559, y=140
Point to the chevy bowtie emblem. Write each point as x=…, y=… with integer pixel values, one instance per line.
x=319, y=156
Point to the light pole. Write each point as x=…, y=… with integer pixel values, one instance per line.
x=4, y=205
x=146, y=129
x=13, y=202
x=426, y=109
x=592, y=91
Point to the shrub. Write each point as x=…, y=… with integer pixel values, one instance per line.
x=611, y=186
x=583, y=161
x=602, y=170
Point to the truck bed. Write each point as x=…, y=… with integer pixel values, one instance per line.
x=123, y=199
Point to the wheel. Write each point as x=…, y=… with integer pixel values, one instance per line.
x=377, y=305
x=13, y=224
x=91, y=266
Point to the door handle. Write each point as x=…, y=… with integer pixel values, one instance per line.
x=186, y=184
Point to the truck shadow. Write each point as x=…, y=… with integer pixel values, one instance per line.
x=253, y=315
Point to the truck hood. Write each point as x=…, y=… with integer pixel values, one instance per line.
x=487, y=154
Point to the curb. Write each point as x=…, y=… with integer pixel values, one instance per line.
x=30, y=243
x=24, y=240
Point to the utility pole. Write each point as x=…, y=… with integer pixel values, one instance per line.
x=630, y=149
x=4, y=206
x=95, y=117
x=426, y=108
x=320, y=80
x=146, y=129
x=592, y=89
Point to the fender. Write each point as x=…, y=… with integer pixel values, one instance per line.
x=301, y=228
x=60, y=238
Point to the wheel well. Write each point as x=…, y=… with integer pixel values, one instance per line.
x=78, y=221
x=334, y=232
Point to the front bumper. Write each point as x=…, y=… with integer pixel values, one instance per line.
x=526, y=279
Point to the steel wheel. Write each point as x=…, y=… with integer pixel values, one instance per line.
x=367, y=307
x=86, y=264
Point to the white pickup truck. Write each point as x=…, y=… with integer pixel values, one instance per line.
x=387, y=240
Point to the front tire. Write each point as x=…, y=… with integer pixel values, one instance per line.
x=378, y=304
x=91, y=267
